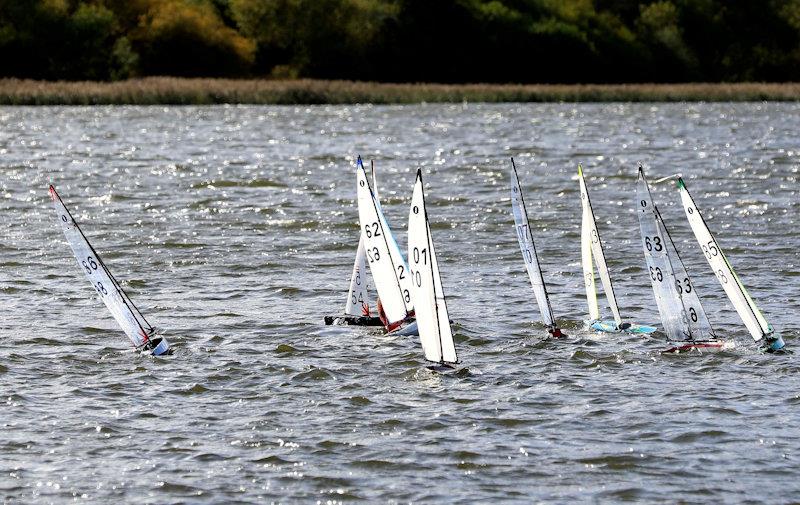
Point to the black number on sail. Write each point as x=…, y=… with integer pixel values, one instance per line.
x=402, y=272
x=358, y=279
x=406, y=296
x=424, y=254
x=656, y=275
x=92, y=264
x=521, y=231
x=686, y=287
x=654, y=245
x=64, y=217
x=528, y=256
x=643, y=203
x=101, y=289
x=595, y=238
x=712, y=249
x=372, y=230
x=693, y=314
x=418, y=278
x=373, y=254
x=722, y=277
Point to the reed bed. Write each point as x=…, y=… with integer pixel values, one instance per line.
x=182, y=91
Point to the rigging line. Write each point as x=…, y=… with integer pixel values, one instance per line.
x=600, y=242
x=385, y=241
x=119, y=289
x=535, y=255
x=724, y=258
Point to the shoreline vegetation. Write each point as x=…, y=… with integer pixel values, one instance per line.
x=208, y=91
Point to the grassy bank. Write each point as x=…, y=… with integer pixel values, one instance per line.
x=168, y=90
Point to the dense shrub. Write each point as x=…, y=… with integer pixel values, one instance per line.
x=448, y=41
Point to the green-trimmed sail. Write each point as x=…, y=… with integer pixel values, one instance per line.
x=752, y=317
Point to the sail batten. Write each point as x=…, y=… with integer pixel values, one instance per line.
x=526, y=245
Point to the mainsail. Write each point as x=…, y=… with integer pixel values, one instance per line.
x=132, y=321
x=433, y=321
x=682, y=314
x=752, y=317
x=592, y=246
x=389, y=269
x=525, y=239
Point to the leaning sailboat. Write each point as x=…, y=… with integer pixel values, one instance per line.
x=592, y=254
x=427, y=293
x=141, y=333
x=755, y=322
x=386, y=263
x=682, y=315
x=525, y=239
x=357, y=310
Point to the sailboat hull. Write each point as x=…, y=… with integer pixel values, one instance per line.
x=348, y=320
x=406, y=330
x=611, y=327
x=774, y=344
x=700, y=347
x=161, y=348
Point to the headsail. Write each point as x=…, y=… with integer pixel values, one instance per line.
x=389, y=269
x=679, y=306
x=433, y=321
x=752, y=317
x=525, y=239
x=133, y=323
x=592, y=246
x=357, y=295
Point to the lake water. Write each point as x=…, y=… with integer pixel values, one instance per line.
x=234, y=229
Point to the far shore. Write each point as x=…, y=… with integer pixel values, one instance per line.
x=185, y=91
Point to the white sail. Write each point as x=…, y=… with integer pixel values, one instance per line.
x=755, y=322
x=389, y=269
x=357, y=295
x=357, y=302
x=693, y=314
x=433, y=321
x=682, y=314
x=121, y=307
x=592, y=246
x=525, y=239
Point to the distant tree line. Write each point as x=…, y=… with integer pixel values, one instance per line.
x=449, y=41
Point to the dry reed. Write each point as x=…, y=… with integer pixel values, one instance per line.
x=180, y=91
